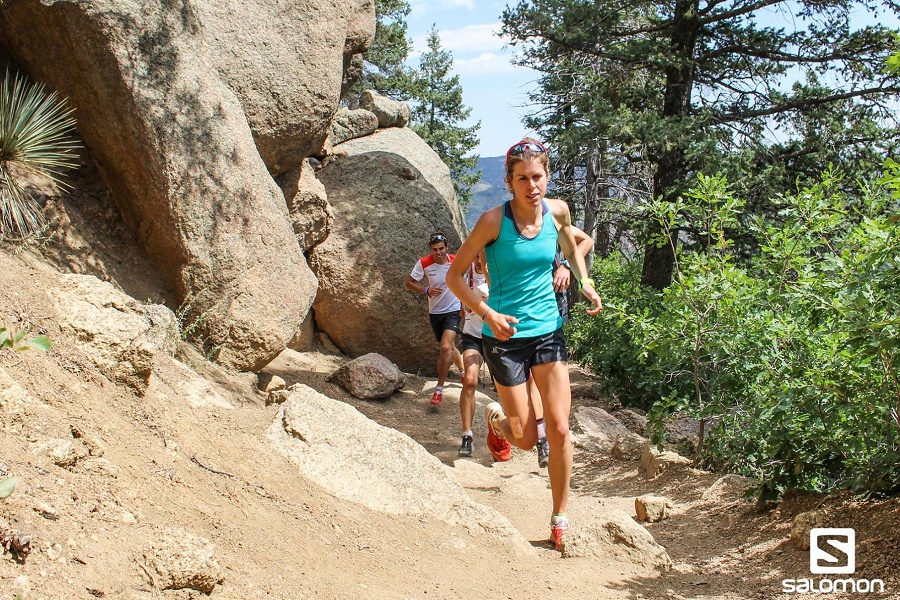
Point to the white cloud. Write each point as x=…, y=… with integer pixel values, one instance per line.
x=472, y=38
x=467, y=40
x=483, y=64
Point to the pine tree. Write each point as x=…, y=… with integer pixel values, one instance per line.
x=699, y=86
x=436, y=115
x=384, y=69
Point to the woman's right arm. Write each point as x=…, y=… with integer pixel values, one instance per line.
x=485, y=231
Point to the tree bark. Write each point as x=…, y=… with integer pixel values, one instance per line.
x=672, y=167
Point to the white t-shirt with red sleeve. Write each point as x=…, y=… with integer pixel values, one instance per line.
x=436, y=277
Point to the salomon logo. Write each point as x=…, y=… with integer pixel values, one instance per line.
x=832, y=551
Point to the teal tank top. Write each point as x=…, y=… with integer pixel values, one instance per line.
x=521, y=272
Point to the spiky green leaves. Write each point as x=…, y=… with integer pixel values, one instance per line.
x=35, y=138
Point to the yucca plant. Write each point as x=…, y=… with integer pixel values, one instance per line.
x=35, y=137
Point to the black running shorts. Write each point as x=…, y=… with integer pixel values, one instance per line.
x=444, y=321
x=510, y=362
x=470, y=342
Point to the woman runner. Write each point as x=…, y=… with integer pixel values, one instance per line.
x=522, y=331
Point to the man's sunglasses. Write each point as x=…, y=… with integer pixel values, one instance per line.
x=437, y=238
x=521, y=147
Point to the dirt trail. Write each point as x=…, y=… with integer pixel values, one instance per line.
x=722, y=546
x=212, y=472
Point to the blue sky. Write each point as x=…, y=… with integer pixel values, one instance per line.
x=495, y=90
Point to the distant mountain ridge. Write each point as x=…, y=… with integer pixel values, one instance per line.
x=490, y=191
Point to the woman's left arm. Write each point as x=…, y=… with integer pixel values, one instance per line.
x=563, y=219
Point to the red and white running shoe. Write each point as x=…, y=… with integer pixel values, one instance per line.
x=499, y=447
x=559, y=525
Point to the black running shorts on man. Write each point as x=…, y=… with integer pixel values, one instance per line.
x=444, y=321
x=510, y=362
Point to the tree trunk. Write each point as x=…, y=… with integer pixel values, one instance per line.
x=591, y=176
x=659, y=264
x=671, y=169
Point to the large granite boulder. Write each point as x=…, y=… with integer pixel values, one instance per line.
x=286, y=63
x=186, y=109
x=388, y=192
x=354, y=458
x=371, y=376
x=308, y=205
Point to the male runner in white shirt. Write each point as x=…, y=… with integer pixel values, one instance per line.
x=443, y=307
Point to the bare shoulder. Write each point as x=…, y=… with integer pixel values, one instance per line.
x=492, y=215
x=488, y=224
x=485, y=231
x=560, y=211
x=557, y=207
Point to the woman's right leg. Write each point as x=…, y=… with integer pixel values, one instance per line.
x=518, y=416
x=552, y=379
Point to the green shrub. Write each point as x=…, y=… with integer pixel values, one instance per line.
x=607, y=342
x=791, y=357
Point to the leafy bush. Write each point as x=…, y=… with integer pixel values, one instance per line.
x=608, y=342
x=17, y=340
x=792, y=356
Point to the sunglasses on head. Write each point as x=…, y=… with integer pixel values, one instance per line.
x=521, y=147
x=438, y=237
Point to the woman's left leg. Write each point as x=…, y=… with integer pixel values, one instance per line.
x=552, y=380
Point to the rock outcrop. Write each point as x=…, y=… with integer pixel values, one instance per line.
x=615, y=534
x=178, y=559
x=308, y=206
x=655, y=462
x=351, y=124
x=802, y=525
x=356, y=459
x=390, y=113
x=652, y=508
x=286, y=62
x=596, y=430
x=119, y=335
x=388, y=192
x=187, y=111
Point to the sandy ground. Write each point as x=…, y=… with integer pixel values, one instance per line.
x=158, y=464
